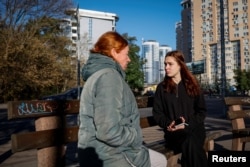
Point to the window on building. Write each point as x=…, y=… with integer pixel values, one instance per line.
x=244, y=1
x=235, y=9
x=235, y=3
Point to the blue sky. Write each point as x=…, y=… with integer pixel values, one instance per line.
x=144, y=19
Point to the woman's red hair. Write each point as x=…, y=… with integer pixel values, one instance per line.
x=107, y=42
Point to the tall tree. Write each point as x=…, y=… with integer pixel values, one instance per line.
x=32, y=51
x=134, y=73
x=242, y=79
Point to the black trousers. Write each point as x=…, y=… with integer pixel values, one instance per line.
x=89, y=158
x=190, y=144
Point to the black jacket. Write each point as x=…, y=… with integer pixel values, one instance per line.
x=170, y=106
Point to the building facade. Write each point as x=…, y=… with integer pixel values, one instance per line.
x=179, y=36
x=163, y=50
x=150, y=53
x=84, y=27
x=153, y=53
x=219, y=36
x=186, y=34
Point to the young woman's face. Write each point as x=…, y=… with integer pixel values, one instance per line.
x=172, y=68
x=122, y=57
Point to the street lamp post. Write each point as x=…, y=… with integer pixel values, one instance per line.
x=222, y=40
x=78, y=55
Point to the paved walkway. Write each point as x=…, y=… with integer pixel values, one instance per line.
x=215, y=121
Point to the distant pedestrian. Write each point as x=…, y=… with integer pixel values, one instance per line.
x=178, y=99
x=109, y=132
x=210, y=92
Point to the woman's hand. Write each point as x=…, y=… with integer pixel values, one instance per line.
x=172, y=126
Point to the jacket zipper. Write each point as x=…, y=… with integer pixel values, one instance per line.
x=177, y=91
x=130, y=163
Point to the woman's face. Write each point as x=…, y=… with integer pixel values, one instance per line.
x=122, y=57
x=172, y=68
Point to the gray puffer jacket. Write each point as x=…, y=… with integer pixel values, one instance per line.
x=109, y=117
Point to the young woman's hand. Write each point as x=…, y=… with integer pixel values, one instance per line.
x=172, y=126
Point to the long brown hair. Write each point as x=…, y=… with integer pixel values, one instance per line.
x=190, y=82
x=107, y=42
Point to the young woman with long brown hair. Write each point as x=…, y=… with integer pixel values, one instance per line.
x=179, y=97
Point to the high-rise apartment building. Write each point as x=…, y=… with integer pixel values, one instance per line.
x=153, y=53
x=84, y=27
x=186, y=33
x=219, y=35
x=163, y=50
x=150, y=53
x=179, y=37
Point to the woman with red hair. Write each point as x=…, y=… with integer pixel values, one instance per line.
x=109, y=132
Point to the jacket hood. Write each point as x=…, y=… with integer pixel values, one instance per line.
x=97, y=62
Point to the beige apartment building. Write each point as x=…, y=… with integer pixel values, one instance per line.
x=216, y=31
